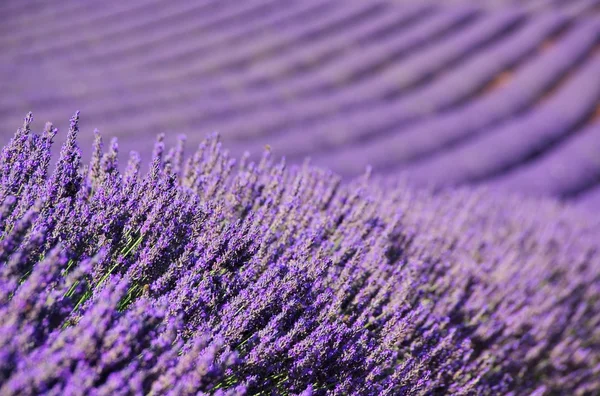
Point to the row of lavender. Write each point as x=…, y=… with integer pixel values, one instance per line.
x=204, y=274
x=404, y=86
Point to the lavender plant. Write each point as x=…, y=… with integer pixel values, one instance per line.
x=205, y=275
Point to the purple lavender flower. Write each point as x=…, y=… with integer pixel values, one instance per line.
x=203, y=276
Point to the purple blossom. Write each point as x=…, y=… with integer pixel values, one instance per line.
x=209, y=276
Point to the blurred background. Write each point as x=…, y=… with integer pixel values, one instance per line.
x=450, y=93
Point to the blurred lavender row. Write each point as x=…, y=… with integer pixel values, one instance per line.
x=206, y=274
x=445, y=93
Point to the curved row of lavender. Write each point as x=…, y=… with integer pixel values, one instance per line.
x=451, y=93
x=204, y=275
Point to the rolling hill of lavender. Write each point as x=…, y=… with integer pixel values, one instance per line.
x=300, y=197
x=505, y=95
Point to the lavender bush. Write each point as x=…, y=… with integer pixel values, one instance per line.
x=209, y=276
x=456, y=92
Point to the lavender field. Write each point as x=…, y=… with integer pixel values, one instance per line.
x=441, y=239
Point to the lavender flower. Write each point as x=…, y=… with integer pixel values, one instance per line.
x=207, y=277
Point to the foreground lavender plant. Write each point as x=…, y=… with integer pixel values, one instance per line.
x=214, y=277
